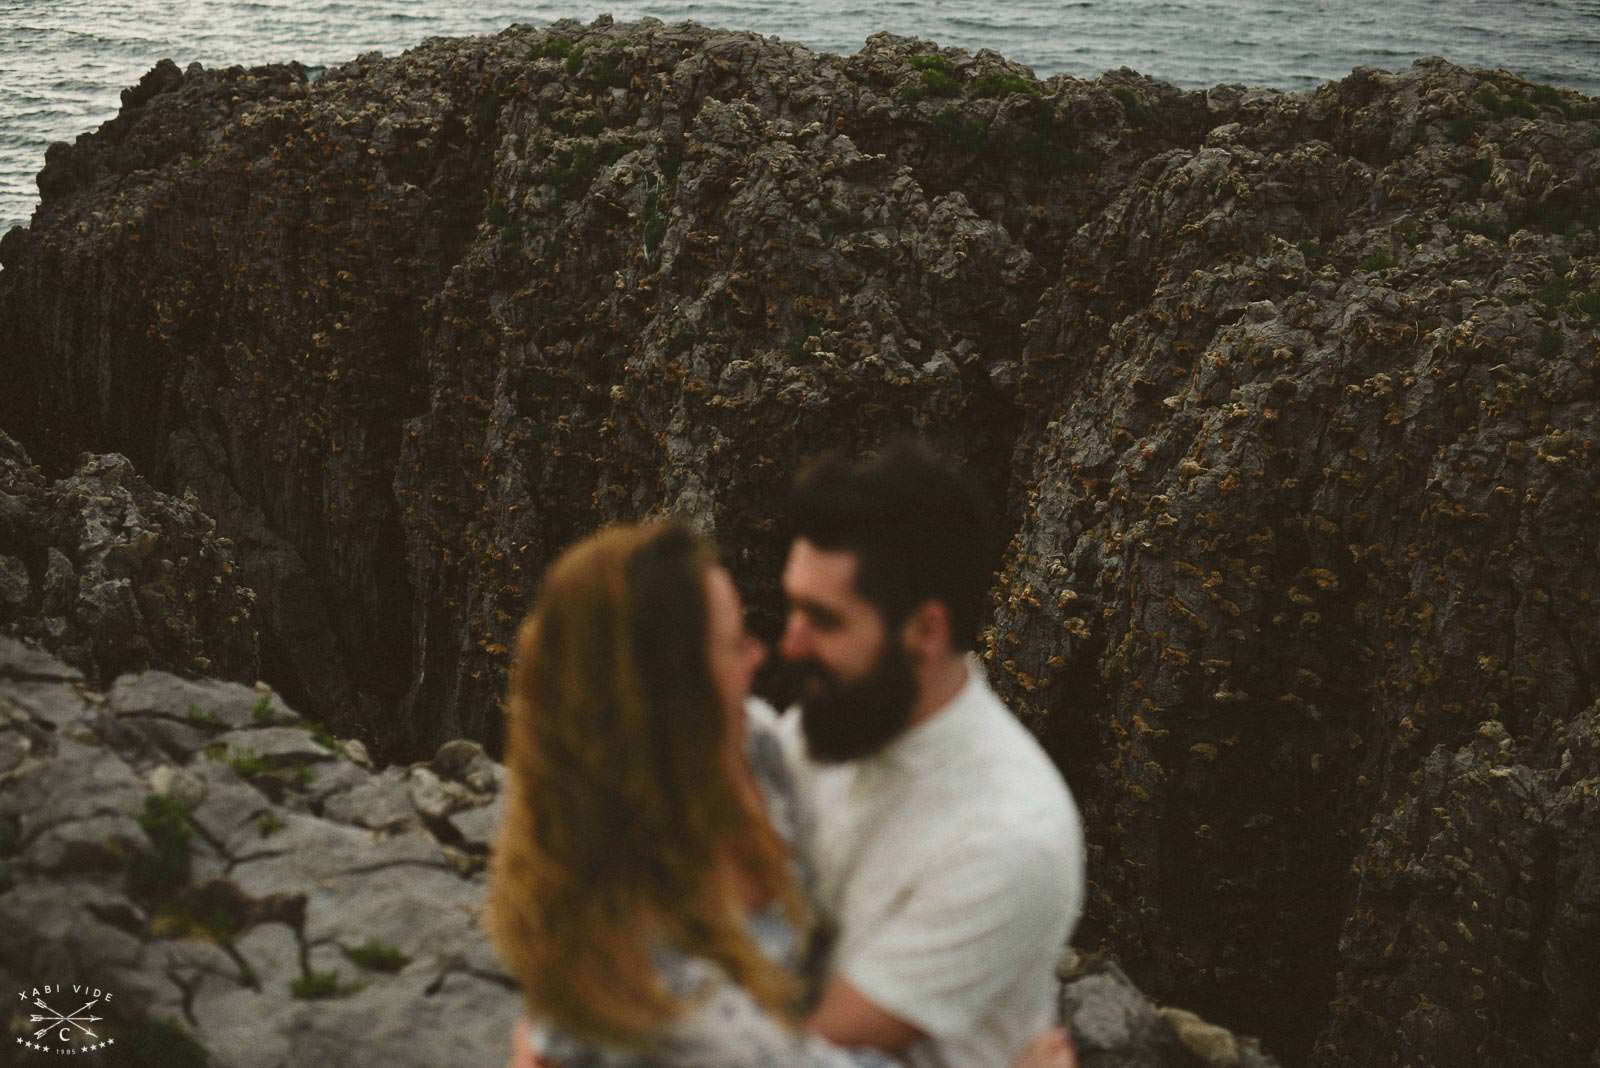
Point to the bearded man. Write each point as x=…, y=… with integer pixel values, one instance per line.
x=947, y=849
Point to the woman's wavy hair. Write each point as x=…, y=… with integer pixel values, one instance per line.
x=624, y=831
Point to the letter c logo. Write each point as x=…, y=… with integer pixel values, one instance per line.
x=65, y=1034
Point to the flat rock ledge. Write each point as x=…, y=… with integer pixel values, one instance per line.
x=254, y=894
x=243, y=883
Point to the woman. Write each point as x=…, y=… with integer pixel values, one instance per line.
x=639, y=890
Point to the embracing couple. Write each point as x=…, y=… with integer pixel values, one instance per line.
x=886, y=875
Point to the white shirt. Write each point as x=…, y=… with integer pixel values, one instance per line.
x=952, y=864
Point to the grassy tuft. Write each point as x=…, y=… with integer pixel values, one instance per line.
x=319, y=985
x=164, y=867
x=378, y=957
x=1134, y=109
x=994, y=84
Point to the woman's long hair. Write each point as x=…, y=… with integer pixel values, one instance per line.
x=623, y=827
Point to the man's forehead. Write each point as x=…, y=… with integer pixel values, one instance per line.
x=819, y=572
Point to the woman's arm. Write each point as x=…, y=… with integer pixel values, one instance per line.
x=729, y=1029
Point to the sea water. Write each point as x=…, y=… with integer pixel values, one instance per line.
x=63, y=63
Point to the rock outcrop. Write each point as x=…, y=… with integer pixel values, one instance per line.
x=114, y=576
x=1288, y=400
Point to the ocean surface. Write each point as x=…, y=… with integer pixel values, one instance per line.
x=63, y=63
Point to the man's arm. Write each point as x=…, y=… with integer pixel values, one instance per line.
x=966, y=929
x=847, y=1017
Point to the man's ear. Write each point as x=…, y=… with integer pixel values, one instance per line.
x=926, y=632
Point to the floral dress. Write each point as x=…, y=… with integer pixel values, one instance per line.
x=725, y=1027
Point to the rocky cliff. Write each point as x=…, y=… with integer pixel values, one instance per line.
x=1288, y=400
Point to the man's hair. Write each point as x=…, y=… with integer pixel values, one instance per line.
x=919, y=529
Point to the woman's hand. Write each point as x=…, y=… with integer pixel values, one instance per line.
x=522, y=1056
x=1049, y=1049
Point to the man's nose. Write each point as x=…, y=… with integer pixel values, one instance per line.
x=796, y=641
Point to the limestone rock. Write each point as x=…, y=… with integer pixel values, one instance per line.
x=81, y=573
x=208, y=892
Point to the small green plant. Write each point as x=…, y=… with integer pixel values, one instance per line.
x=320, y=734
x=1406, y=231
x=263, y=709
x=811, y=326
x=997, y=84
x=554, y=48
x=1559, y=216
x=489, y=106
x=1133, y=108
x=1462, y=127
x=605, y=70
x=938, y=79
x=1570, y=104
x=573, y=170
x=1047, y=152
x=496, y=214
x=1314, y=252
x=191, y=916
x=1378, y=261
x=269, y=824
x=1477, y=171
x=164, y=866
x=1553, y=295
x=1501, y=106
x=246, y=763
x=574, y=59
x=1545, y=96
x=653, y=227
x=932, y=62
x=378, y=957
x=959, y=131
x=205, y=717
x=315, y=986
x=1481, y=225
x=1549, y=342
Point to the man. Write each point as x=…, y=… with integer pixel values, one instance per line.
x=947, y=849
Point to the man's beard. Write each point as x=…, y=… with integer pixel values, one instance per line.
x=850, y=721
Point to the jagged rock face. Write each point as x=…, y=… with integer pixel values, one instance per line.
x=410, y=329
x=113, y=576
x=1478, y=895
x=1288, y=399
x=1334, y=510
